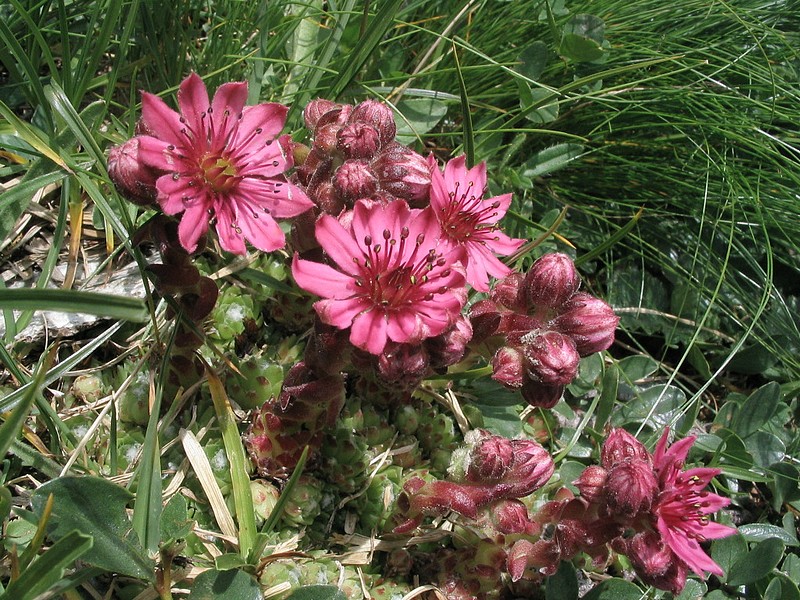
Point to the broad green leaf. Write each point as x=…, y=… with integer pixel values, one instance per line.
x=175, y=521
x=552, y=159
x=563, y=585
x=48, y=568
x=96, y=507
x=5, y=503
x=533, y=60
x=728, y=550
x=733, y=451
x=582, y=39
x=418, y=116
x=74, y=301
x=694, y=589
x=757, y=563
x=608, y=396
x=757, y=532
x=637, y=367
x=766, y=448
x=539, y=105
x=614, y=589
x=317, y=592
x=757, y=410
x=231, y=585
x=789, y=589
x=774, y=591
x=791, y=566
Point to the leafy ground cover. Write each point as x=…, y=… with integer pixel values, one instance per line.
x=396, y=378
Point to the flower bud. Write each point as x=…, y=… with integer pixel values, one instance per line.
x=541, y=395
x=620, y=446
x=506, y=292
x=491, y=457
x=551, y=281
x=532, y=468
x=508, y=367
x=552, y=358
x=591, y=483
x=404, y=173
x=358, y=140
x=511, y=516
x=484, y=316
x=132, y=178
x=314, y=111
x=403, y=365
x=654, y=562
x=631, y=487
x=378, y=115
x=354, y=180
x=449, y=347
x=589, y=321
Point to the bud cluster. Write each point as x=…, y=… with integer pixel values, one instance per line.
x=354, y=155
x=539, y=326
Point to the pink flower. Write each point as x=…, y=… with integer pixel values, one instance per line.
x=221, y=165
x=392, y=280
x=683, y=505
x=469, y=221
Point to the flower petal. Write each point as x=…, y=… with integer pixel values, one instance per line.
x=157, y=153
x=230, y=239
x=193, y=102
x=321, y=280
x=161, y=120
x=368, y=331
x=278, y=197
x=339, y=244
x=259, y=229
x=194, y=223
x=340, y=313
x=176, y=195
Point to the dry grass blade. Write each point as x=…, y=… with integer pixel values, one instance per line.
x=202, y=468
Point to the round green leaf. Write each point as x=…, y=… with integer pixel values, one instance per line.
x=533, y=60
x=758, y=563
x=757, y=532
x=614, y=589
x=728, y=551
x=231, y=585
x=766, y=448
x=317, y=592
x=757, y=409
x=563, y=585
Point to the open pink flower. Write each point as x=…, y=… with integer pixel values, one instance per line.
x=221, y=164
x=469, y=221
x=392, y=280
x=683, y=505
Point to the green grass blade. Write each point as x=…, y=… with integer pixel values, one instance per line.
x=48, y=569
x=240, y=480
x=469, y=134
x=378, y=27
x=74, y=301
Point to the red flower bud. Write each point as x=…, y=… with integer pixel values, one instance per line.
x=358, y=140
x=315, y=109
x=631, y=487
x=589, y=321
x=132, y=178
x=490, y=457
x=506, y=292
x=449, y=347
x=654, y=562
x=541, y=395
x=551, y=281
x=485, y=318
x=511, y=516
x=552, y=358
x=591, y=483
x=378, y=115
x=354, y=180
x=508, y=367
x=404, y=173
x=620, y=446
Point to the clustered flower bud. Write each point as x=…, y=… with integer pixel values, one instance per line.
x=354, y=155
x=539, y=326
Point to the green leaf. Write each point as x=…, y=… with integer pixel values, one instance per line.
x=728, y=550
x=766, y=448
x=317, y=592
x=638, y=367
x=789, y=589
x=231, y=585
x=539, y=105
x=95, y=507
x=757, y=410
x=733, y=451
x=694, y=589
x=563, y=585
x=418, y=116
x=16, y=199
x=608, y=396
x=757, y=563
x=48, y=568
x=582, y=39
x=552, y=159
x=756, y=532
x=533, y=60
x=5, y=503
x=74, y=301
x=614, y=589
x=175, y=521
